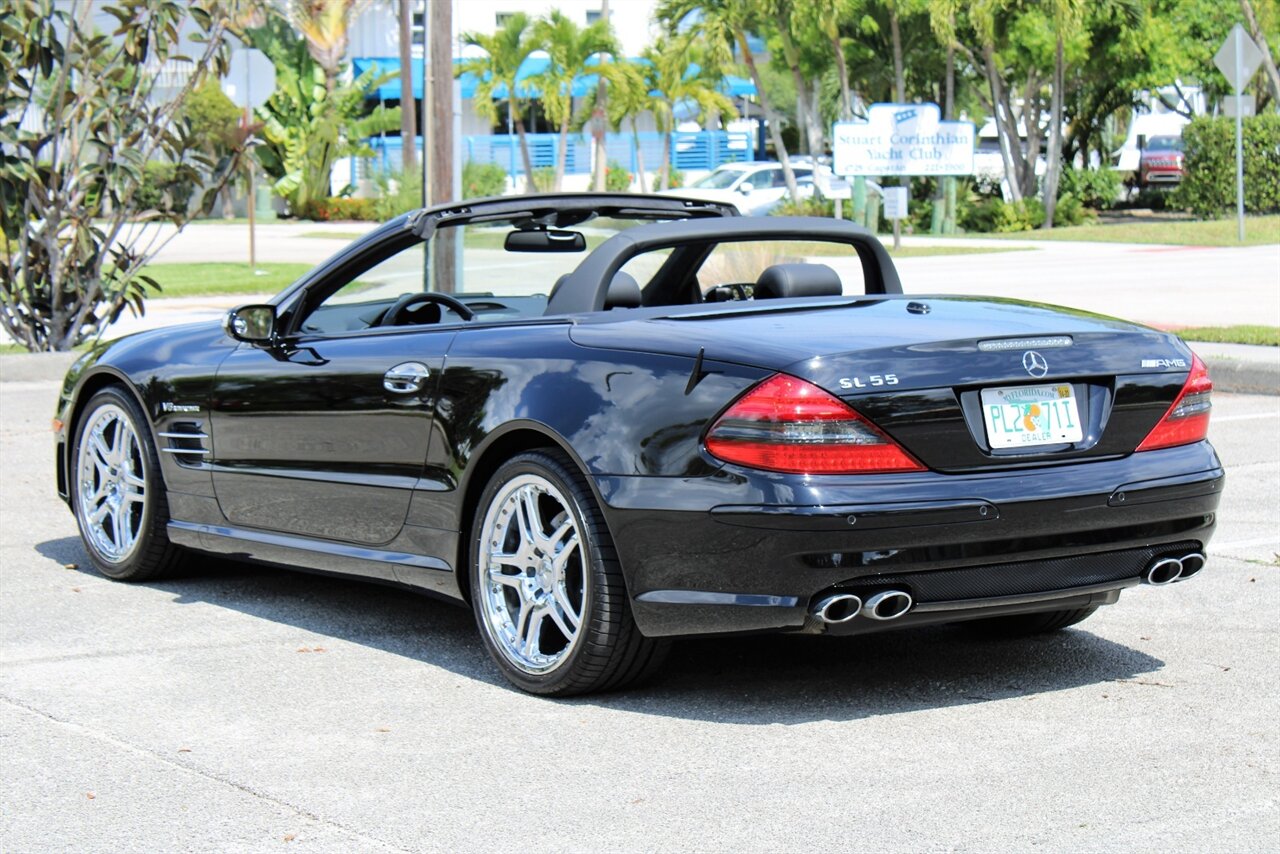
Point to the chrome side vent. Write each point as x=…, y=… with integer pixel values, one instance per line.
x=186, y=442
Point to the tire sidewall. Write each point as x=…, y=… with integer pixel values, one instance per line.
x=136, y=563
x=566, y=674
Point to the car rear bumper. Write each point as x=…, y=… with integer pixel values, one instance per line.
x=698, y=561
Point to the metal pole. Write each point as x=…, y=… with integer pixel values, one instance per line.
x=1239, y=137
x=253, y=256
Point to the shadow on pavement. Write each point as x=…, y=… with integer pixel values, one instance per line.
x=761, y=679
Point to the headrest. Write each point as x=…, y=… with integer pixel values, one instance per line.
x=624, y=292
x=782, y=281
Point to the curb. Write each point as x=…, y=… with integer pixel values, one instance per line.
x=1236, y=376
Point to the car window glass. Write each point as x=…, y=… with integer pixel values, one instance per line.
x=365, y=297
x=742, y=263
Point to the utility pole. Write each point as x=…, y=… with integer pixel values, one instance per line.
x=408, y=117
x=437, y=136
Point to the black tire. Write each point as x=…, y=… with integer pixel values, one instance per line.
x=606, y=650
x=137, y=548
x=1022, y=625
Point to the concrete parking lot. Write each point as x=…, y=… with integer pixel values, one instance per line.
x=249, y=709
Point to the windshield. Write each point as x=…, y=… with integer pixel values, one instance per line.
x=720, y=179
x=1164, y=143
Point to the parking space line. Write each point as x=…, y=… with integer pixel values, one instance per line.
x=1252, y=416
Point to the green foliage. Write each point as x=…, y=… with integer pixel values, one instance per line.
x=544, y=178
x=398, y=192
x=812, y=206
x=308, y=126
x=483, y=179
x=212, y=116
x=162, y=190
x=1094, y=188
x=1208, y=186
x=337, y=208
x=676, y=180
x=998, y=216
x=81, y=121
x=616, y=178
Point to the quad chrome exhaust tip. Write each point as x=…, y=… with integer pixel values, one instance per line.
x=889, y=605
x=837, y=608
x=1167, y=570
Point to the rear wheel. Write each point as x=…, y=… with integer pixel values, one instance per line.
x=546, y=585
x=1020, y=625
x=116, y=490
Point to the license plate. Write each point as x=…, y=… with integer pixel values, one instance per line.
x=1026, y=416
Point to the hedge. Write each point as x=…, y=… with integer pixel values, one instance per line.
x=1208, y=186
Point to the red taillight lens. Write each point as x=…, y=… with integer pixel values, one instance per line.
x=1187, y=420
x=789, y=425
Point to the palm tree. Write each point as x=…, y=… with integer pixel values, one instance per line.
x=569, y=47
x=723, y=24
x=505, y=51
x=669, y=83
x=325, y=24
x=629, y=96
x=826, y=16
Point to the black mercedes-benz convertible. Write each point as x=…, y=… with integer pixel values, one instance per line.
x=604, y=421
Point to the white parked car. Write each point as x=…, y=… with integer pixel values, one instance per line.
x=754, y=187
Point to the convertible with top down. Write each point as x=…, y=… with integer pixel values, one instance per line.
x=605, y=421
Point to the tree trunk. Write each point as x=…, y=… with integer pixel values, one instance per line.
x=1268, y=62
x=635, y=139
x=842, y=69
x=524, y=156
x=664, y=176
x=817, y=138
x=562, y=152
x=408, y=115
x=803, y=107
x=899, y=75
x=1055, y=138
x=775, y=132
x=601, y=157
x=998, y=101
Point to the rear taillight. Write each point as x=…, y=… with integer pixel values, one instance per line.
x=789, y=425
x=1187, y=420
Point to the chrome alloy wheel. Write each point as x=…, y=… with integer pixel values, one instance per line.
x=111, y=483
x=532, y=574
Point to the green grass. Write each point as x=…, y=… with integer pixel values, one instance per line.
x=190, y=280
x=1259, y=230
x=1267, y=336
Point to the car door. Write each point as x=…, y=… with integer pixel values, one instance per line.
x=325, y=435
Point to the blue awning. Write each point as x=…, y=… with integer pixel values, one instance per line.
x=534, y=65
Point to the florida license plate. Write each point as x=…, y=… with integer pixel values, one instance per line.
x=1026, y=416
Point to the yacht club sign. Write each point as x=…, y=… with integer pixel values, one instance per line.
x=903, y=139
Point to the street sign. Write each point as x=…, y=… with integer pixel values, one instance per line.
x=1238, y=58
x=250, y=80
x=1248, y=106
x=895, y=202
x=902, y=139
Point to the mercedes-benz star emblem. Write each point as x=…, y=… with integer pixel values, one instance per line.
x=1035, y=364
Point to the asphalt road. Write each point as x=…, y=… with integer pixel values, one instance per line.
x=248, y=709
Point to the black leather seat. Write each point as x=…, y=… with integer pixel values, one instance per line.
x=784, y=281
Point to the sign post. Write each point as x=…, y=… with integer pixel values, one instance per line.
x=1238, y=59
x=251, y=78
x=895, y=208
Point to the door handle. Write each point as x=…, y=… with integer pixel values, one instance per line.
x=406, y=378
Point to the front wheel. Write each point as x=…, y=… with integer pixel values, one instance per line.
x=116, y=490
x=546, y=585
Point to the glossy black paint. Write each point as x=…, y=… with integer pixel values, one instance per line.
x=312, y=462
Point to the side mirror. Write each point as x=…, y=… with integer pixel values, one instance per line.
x=746, y=187
x=255, y=324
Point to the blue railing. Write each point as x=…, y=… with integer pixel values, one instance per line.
x=689, y=151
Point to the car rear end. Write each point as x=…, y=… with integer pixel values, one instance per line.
x=932, y=475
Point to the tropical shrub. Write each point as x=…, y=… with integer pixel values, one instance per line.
x=398, y=192
x=995, y=215
x=337, y=208
x=616, y=178
x=483, y=179
x=544, y=178
x=1094, y=188
x=90, y=155
x=1208, y=185
x=812, y=206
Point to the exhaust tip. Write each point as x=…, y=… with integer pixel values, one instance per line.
x=889, y=605
x=1164, y=571
x=1191, y=565
x=837, y=608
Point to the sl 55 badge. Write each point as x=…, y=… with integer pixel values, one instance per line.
x=873, y=380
